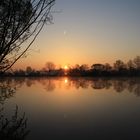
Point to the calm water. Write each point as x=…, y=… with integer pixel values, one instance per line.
x=70, y=108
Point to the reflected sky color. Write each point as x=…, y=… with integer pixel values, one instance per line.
x=88, y=31
x=72, y=108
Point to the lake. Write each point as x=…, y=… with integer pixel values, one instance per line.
x=70, y=108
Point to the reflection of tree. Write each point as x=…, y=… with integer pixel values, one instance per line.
x=98, y=84
x=135, y=86
x=119, y=85
x=18, y=82
x=49, y=85
x=14, y=128
x=108, y=84
x=80, y=82
x=131, y=85
x=6, y=91
x=137, y=90
x=30, y=82
x=8, y=86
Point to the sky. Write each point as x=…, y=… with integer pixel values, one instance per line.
x=87, y=32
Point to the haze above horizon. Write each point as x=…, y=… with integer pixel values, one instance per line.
x=87, y=31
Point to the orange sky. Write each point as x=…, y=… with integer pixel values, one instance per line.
x=87, y=32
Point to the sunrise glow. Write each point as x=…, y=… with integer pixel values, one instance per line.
x=102, y=32
x=66, y=67
x=70, y=69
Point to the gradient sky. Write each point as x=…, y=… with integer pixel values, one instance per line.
x=88, y=31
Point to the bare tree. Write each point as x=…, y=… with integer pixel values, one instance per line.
x=50, y=66
x=14, y=128
x=107, y=67
x=84, y=67
x=130, y=65
x=29, y=70
x=119, y=65
x=20, y=21
x=137, y=62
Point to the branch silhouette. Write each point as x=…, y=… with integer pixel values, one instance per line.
x=21, y=22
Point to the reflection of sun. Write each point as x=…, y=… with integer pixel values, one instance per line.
x=66, y=81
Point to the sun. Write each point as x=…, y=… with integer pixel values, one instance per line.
x=66, y=67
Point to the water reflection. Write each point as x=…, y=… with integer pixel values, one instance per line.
x=66, y=81
x=7, y=89
x=58, y=108
x=132, y=85
x=13, y=127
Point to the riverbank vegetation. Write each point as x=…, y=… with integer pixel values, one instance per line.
x=119, y=68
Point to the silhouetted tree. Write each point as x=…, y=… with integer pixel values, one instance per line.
x=131, y=68
x=50, y=66
x=84, y=67
x=29, y=70
x=77, y=66
x=130, y=65
x=98, y=67
x=119, y=65
x=20, y=20
x=75, y=71
x=107, y=67
x=137, y=62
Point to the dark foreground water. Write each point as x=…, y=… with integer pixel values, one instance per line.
x=69, y=108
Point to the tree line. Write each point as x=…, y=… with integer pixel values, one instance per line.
x=119, y=68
